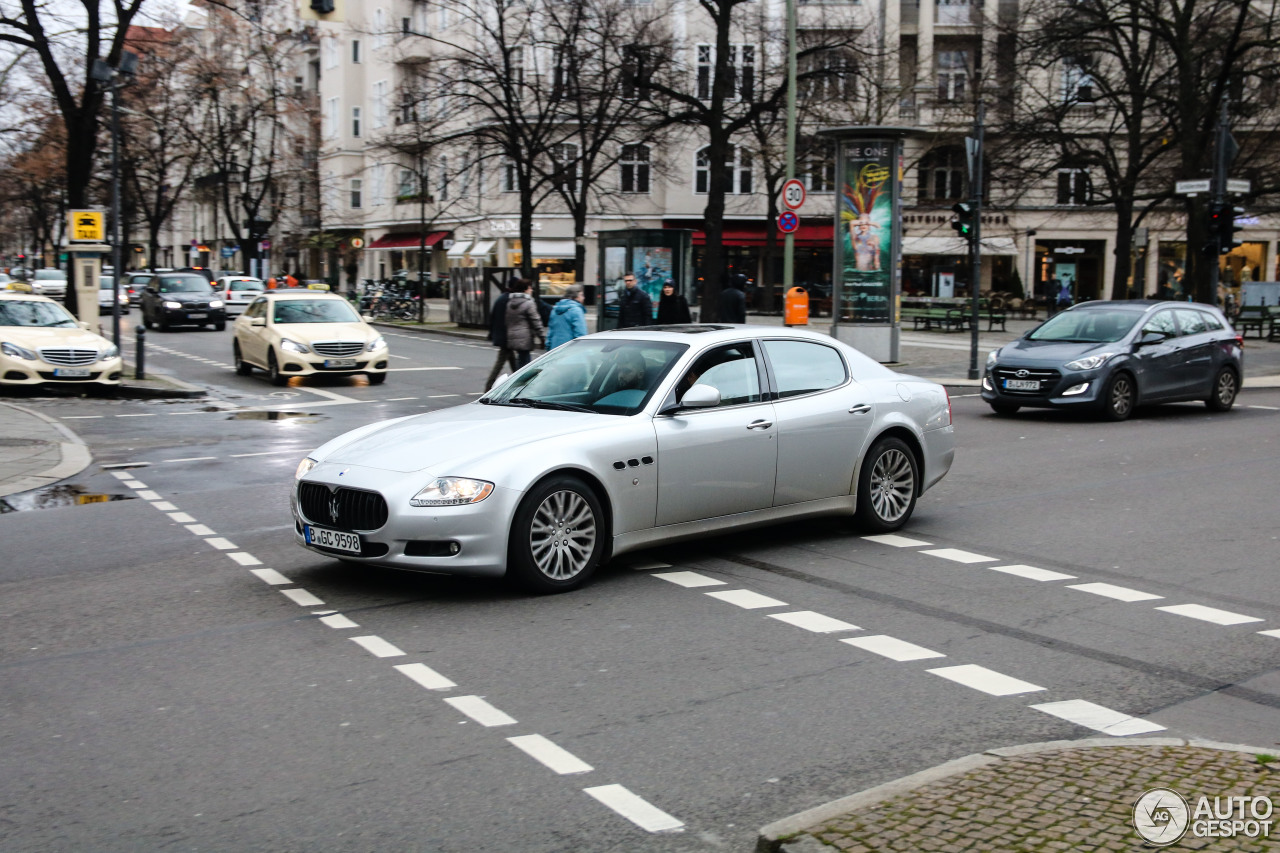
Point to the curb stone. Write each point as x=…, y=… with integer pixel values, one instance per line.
x=74, y=458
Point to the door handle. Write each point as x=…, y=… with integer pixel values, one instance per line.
x=859, y=409
x=760, y=424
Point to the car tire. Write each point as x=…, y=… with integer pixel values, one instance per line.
x=557, y=536
x=376, y=378
x=218, y=327
x=1005, y=408
x=1119, y=397
x=273, y=370
x=887, y=486
x=243, y=368
x=1225, y=388
x=163, y=324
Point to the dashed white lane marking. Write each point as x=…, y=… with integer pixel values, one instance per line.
x=1098, y=718
x=180, y=517
x=958, y=556
x=557, y=758
x=815, y=622
x=245, y=559
x=405, y=357
x=80, y=417
x=377, y=646
x=747, y=599
x=896, y=541
x=271, y=576
x=892, y=648
x=221, y=544
x=190, y=458
x=1209, y=614
x=481, y=711
x=1268, y=408
x=164, y=506
x=139, y=415
x=398, y=399
x=1120, y=593
x=197, y=529
x=122, y=475
x=133, y=484
x=645, y=565
x=986, y=680
x=403, y=369
x=302, y=598
x=688, y=579
x=634, y=808
x=441, y=396
x=148, y=495
x=1032, y=573
x=337, y=620
x=426, y=676
x=1275, y=633
x=264, y=453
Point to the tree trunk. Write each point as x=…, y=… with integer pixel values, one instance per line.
x=1123, y=250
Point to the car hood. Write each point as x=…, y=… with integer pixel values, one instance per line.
x=451, y=436
x=308, y=332
x=1053, y=352
x=34, y=337
x=189, y=297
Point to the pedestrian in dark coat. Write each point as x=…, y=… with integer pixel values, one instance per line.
x=733, y=300
x=635, y=308
x=672, y=307
x=498, y=334
x=524, y=325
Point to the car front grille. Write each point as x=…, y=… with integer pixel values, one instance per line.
x=343, y=509
x=338, y=349
x=195, y=306
x=68, y=356
x=1047, y=378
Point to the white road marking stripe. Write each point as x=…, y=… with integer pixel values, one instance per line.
x=438, y=396
x=263, y=453
x=1120, y=593
x=1275, y=633
x=633, y=808
x=896, y=541
x=80, y=417
x=377, y=646
x=958, y=556
x=164, y=506
x=401, y=369
x=555, y=757
x=688, y=579
x=747, y=599
x=1268, y=408
x=200, y=530
x=221, y=544
x=134, y=484
x=337, y=620
x=139, y=415
x=815, y=622
x=181, y=517
x=1209, y=614
x=405, y=357
x=1032, y=573
x=645, y=565
x=1098, y=718
x=190, y=459
x=426, y=676
x=245, y=559
x=329, y=395
x=197, y=412
x=398, y=399
x=148, y=495
x=481, y=711
x=301, y=597
x=271, y=576
x=120, y=475
x=892, y=648
x=986, y=680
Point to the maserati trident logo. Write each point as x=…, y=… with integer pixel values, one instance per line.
x=1023, y=374
x=333, y=509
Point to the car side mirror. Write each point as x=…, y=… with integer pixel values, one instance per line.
x=1149, y=338
x=257, y=321
x=84, y=324
x=700, y=397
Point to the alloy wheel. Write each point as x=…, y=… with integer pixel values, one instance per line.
x=1225, y=390
x=1121, y=400
x=562, y=535
x=893, y=483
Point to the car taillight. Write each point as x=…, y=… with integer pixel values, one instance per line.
x=948, y=393
x=1240, y=341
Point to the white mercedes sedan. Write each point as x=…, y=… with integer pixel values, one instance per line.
x=627, y=439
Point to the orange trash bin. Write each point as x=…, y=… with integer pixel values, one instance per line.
x=795, y=311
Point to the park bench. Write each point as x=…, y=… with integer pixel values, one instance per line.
x=1255, y=317
x=946, y=319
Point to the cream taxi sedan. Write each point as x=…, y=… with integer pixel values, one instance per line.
x=307, y=333
x=42, y=344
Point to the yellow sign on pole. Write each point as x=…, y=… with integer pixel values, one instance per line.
x=88, y=226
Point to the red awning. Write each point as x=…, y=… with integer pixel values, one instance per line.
x=753, y=234
x=407, y=241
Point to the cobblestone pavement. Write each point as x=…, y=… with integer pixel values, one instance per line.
x=1061, y=798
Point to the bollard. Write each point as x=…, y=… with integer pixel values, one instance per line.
x=140, y=354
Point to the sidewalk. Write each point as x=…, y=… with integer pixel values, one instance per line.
x=36, y=450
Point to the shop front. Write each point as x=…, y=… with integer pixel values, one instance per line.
x=1071, y=268
x=939, y=266
x=554, y=262
x=394, y=255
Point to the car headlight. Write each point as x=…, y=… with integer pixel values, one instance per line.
x=375, y=344
x=992, y=358
x=173, y=306
x=293, y=346
x=17, y=351
x=110, y=352
x=452, y=491
x=303, y=467
x=1089, y=362
x=215, y=303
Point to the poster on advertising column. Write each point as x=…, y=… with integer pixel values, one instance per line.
x=865, y=235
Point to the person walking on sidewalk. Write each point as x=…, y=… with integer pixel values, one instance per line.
x=524, y=325
x=733, y=300
x=498, y=335
x=635, y=308
x=673, y=308
x=568, y=318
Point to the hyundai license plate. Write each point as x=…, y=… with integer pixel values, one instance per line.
x=1022, y=385
x=71, y=371
x=339, y=362
x=199, y=315
x=335, y=539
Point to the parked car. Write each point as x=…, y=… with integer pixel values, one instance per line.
x=623, y=440
x=42, y=344
x=49, y=282
x=181, y=299
x=1111, y=357
x=106, y=284
x=134, y=284
x=237, y=291
x=304, y=333
x=5, y=279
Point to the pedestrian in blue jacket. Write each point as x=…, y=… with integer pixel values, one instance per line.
x=568, y=318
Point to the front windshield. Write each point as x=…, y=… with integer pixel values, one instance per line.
x=608, y=376
x=1095, y=326
x=106, y=283
x=246, y=284
x=313, y=311
x=18, y=312
x=50, y=275
x=184, y=284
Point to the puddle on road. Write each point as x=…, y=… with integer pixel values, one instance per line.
x=299, y=417
x=52, y=497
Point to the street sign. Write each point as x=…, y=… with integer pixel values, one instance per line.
x=788, y=222
x=357, y=242
x=229, y=251
x=88, y=226
x=1237, y=186
x=1191, y=187
x=265, y=244
x=793, y=194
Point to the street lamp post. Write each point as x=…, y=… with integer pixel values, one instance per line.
x=114, y=79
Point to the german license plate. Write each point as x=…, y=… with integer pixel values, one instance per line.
x=71, y=371
x=339, y=362
x=199, y=315
x=1022, y=385
x=335, y=539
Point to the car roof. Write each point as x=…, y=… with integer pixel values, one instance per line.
x=303, y=293
x=700, y=333
x=19, y=296
x=1144, y=305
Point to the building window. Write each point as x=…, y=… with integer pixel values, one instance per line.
x=637, y=72
x=564, y=159
x=564, y=73
x=742, y=58
x=1073, y=186
x=515, y=65
x=830, y=75
x=408, y=107
x=737, y=170
x=442, y=184
x=942, y=175
x=953, y=74
x=356, y=201
x=378, y=185
x=331, y=118
x=820, y=167
x=510, y=181
x=355, y=122
x=380, y=103
x=635, y=168
x=330, y=48
x=956, y=13
x=1077, y=82
x=406, y=187
x=355, y=51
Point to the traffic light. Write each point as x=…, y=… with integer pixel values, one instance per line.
x=963, y=219
x=1227, y=228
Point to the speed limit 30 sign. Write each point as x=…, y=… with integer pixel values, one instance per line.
x=793, y=194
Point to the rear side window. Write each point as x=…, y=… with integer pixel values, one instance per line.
x=801, y=367
x=1161, y=322
x=1191, y=321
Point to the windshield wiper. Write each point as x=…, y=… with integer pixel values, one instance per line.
x=550, y=404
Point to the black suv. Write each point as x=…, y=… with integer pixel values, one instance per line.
x=182, y=298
